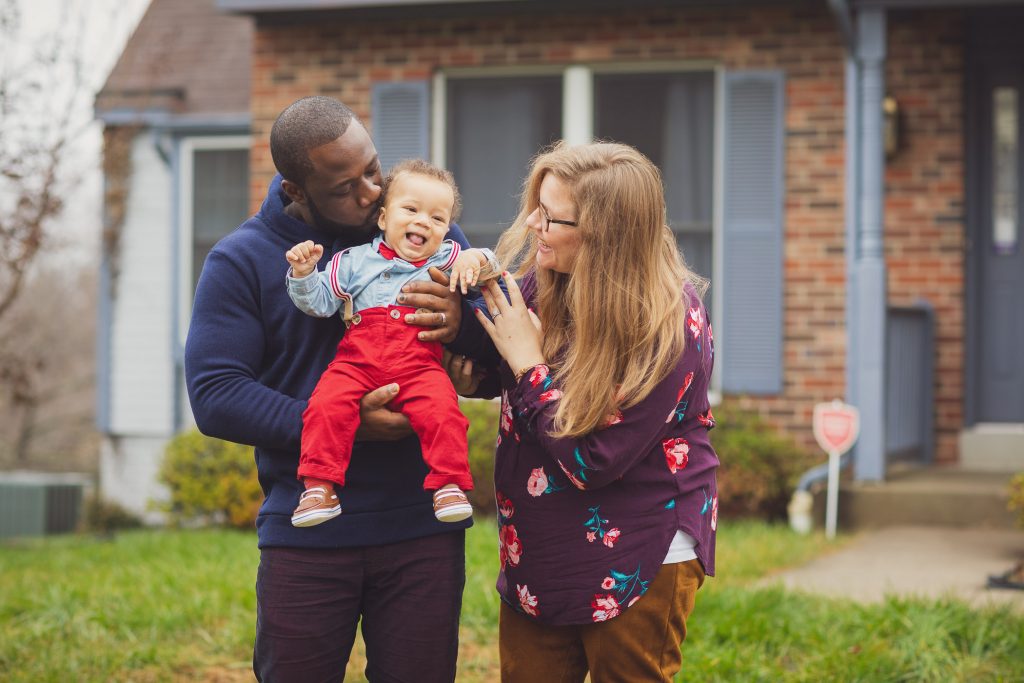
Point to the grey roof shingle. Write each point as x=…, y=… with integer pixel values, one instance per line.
x=184, y=58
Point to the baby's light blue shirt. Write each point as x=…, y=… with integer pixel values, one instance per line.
x=365, y=276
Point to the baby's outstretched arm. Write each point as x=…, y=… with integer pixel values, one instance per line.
x=304, y=257
x=470, y=267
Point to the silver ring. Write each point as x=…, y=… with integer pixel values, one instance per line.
x=495, y=314
x=444, y=319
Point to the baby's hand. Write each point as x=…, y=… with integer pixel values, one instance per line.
x=304, y=257
x=466, y=269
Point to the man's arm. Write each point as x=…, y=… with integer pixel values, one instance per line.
x=223, y=353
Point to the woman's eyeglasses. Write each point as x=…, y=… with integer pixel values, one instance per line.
x=548, y=220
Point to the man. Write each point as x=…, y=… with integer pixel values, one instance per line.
x=251, y=361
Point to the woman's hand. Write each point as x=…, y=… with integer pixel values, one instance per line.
x=513, y=328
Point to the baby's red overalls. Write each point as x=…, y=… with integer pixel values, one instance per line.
x=380, y=348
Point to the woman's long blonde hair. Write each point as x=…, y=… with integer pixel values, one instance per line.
x=615, y=327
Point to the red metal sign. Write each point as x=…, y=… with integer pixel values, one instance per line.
x=836, y=426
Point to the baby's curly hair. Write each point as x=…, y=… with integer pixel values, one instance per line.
x=424, y=168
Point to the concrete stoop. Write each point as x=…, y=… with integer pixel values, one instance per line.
x=993, y=448
x=934, y=496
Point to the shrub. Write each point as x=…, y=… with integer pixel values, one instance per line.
x=483, y=432
x=105, y=516
x=760, y=466
x=210, y=481
x=1017, y=497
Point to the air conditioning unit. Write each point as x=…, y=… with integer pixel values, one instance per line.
x=41, y=503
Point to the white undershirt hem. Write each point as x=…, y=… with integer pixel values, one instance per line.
x=681, y=549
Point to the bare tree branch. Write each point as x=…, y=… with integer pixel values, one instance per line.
x=40, y=88
x=44, y=92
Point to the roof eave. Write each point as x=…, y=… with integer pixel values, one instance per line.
x=229, y=122
x=932, y=4
x=261, y=6
x=334, y=7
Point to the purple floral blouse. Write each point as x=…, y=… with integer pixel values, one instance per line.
x=585, y=524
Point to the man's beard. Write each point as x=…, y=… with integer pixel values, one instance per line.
x=352, y=234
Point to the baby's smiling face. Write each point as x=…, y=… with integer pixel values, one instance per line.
x=416, y=214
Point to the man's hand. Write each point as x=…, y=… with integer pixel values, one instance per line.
x=444, y=306
x=377, y=422
x=460, y=371
x=304, y=257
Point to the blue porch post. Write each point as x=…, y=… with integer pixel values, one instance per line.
x=867, y=331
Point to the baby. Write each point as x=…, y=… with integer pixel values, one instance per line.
x=420, y=200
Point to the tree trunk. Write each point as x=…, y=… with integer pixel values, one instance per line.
x=26, y=430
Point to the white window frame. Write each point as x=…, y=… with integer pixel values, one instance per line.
x=185, y=233
x=578, y=127
x=187, y=147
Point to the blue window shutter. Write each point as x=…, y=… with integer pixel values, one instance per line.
x=400, y=114
x=751, y=335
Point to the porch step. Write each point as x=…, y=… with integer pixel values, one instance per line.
x=993, y=448
x=934, y=496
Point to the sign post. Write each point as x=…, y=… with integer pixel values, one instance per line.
x=836, y=427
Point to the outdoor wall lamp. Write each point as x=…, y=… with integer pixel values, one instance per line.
x=891, y=126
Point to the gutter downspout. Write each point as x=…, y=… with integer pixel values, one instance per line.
x=801, y=503
x=841, y=12
x=869, y=326
x=104, y=326
x=169, y=146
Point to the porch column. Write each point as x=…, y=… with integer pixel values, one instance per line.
x=577, y=110
x=867, y=333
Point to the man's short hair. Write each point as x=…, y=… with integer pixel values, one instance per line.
x=424, y=168
x=305, y=125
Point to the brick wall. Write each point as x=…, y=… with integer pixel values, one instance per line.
x=924, y=208
x=344, y=59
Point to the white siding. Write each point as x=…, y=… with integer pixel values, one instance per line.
x=141, y=353
x=128, y=470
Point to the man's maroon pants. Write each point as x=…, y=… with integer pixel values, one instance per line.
x=408, y=596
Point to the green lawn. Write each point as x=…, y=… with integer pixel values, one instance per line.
x=178, y=606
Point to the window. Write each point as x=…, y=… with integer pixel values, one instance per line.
x=496, y=126
x=493, y=124
x=1004, y=170
x=213, y=200
x=220, y=199
x=670, y=118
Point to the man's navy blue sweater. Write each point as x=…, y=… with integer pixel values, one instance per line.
x=252, y=360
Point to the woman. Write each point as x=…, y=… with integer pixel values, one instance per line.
x=604, y=474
